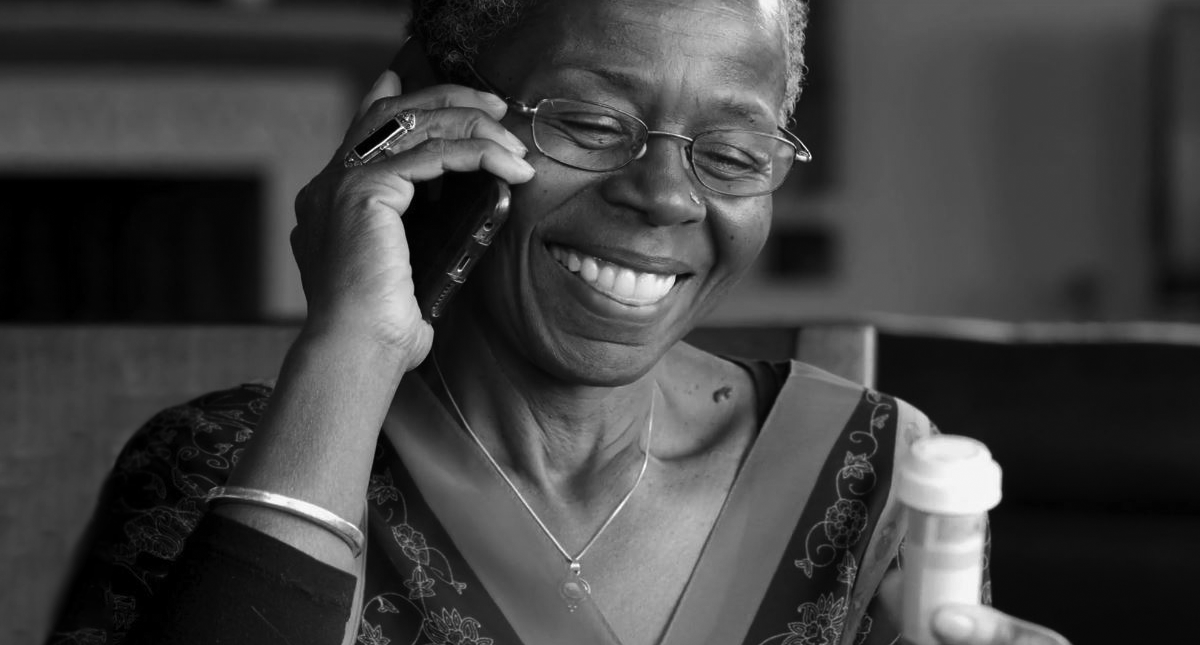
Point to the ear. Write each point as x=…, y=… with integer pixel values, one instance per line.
x=412, y=65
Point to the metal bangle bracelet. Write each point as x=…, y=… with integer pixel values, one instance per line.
x=380, y=139
x=344, y=530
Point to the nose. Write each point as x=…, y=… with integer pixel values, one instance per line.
x=660, y=184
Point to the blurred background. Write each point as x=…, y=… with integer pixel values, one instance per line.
x=1025, y=159
x=1011, y=160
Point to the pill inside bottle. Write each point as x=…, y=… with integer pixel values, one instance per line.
x=947, y=484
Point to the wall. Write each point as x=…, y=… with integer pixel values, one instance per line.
x=139, y=88
x=993, y=160
x=272, y=125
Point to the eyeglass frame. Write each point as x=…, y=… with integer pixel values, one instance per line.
x=802, y=153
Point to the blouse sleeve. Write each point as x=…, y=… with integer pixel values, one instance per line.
x=233, y=584
x=151, y=558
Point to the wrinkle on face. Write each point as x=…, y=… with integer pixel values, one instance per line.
x=682, y=66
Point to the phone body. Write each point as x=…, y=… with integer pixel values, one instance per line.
x=452, y=220
x=450, y=225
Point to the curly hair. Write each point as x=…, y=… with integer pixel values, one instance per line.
x=454, y=30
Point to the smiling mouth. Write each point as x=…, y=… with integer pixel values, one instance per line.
x=619, y=283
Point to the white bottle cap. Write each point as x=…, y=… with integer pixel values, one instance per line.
x=949, y=475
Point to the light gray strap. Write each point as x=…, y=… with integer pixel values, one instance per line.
x=765, y=504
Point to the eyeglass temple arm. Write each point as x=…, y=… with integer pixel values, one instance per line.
x=519, y=106
x=802, y=153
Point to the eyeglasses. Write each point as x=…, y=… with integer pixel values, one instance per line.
x=601, y=138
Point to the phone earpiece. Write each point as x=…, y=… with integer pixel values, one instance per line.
x=412, y=65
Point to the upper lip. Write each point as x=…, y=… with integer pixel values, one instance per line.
x=641, y=262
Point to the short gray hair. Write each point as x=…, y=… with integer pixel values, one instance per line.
x=454, y=30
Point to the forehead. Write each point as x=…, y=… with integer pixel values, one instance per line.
x=727, y=50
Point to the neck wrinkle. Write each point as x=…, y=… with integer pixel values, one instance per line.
x=566, y=444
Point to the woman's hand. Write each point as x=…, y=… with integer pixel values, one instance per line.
x=972, y=624
x=349, y=239
x=317, y=438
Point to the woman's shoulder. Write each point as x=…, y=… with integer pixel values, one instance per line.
x=182, y=448
x=804, y=384
x=713, y=401
x=154, y=495
x=766, y=386
x=228, y=415
x=151, y=502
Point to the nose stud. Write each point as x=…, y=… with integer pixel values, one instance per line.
x=695, y=197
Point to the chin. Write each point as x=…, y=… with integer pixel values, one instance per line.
x=536, y=309
x=598, y=363
x=564, y=352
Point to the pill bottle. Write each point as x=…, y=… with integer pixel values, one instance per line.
x=947, y=484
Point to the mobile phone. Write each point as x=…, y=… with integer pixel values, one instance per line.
x=452, y=220
x=450, y=224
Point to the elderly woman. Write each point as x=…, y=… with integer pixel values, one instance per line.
x=553, y=465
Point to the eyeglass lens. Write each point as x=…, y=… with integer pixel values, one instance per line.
x=595, y=137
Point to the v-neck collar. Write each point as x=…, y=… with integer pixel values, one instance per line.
x=765, y=503
x=522, y=570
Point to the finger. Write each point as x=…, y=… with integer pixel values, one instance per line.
x=295, y=242
x=435, y=157
x=438, y=97
x=430, y=99
x=889, y=596
x=457, y=123
x=388, y=84
x=981, y=625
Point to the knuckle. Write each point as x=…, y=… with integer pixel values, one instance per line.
x=379, y=105
x=455, y=94
x=478, y=122
x=345, y=195
x=301, y=200
x=435, y=146
x=492, y=148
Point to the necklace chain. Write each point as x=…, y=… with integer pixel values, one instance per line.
x=572, y=561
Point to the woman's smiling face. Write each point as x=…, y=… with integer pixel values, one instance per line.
x=597, y=274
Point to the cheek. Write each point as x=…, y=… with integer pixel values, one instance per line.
x=537, y=199
x=741, y=237
x=533, y=204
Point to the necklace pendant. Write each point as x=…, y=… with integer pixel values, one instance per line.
x=574, y=589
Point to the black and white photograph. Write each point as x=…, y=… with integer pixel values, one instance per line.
x=599, y=322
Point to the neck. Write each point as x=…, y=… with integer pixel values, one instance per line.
x=567, y=441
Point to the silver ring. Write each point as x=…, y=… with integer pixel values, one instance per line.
x=381, y=139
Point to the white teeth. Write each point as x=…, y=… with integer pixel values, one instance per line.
x=647, y=286
x=608, y=277
x=626, y=282
x=588, y=270
x=617, y=282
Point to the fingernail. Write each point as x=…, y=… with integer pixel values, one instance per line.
x=495, y=100
x=953, y=624
x=378, y=82
x=525, y=168
x=515, y=144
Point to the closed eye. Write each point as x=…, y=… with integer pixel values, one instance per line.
x=730, y=161
x=590, y=130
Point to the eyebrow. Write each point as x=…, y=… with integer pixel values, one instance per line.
x=742, y=111
x=619, y=80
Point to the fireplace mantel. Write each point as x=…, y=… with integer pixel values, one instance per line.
x=137, y=89
x=229, y=33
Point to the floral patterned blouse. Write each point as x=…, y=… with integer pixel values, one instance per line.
x=773, y=572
